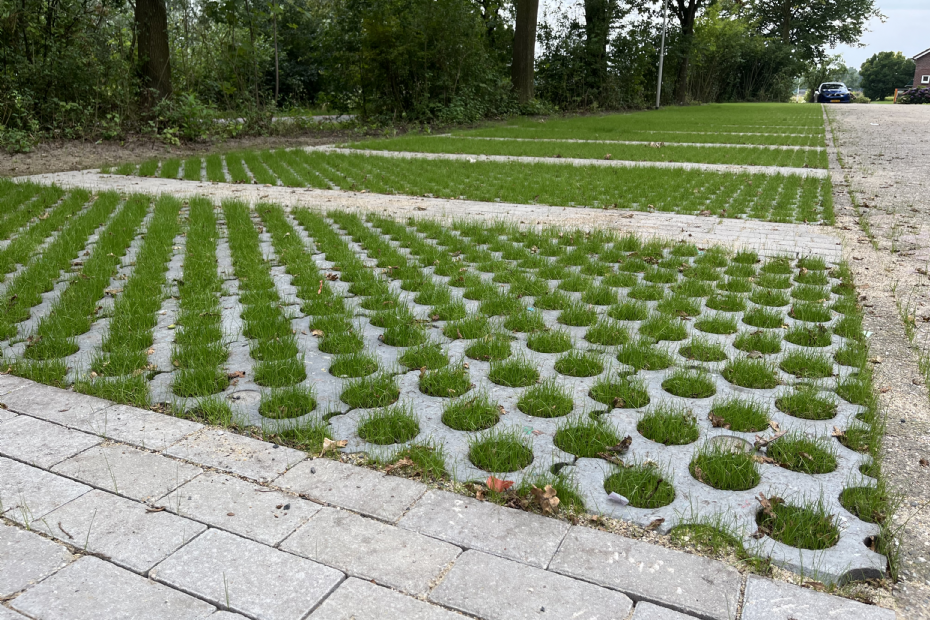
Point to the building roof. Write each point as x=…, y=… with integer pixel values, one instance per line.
x=921, y=54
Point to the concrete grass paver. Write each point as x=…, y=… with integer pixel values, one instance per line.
x=369, y=492
x=484, y=526
x=248, y=577
x=126, y=471
x=244, y=456
x=26, y=558
x=648, y=611
x=240, y=507
x=370, y=549
x=770, y=600
x=121, y=529
x=688, y=583
x=362, y=600
x=40, y=443
x=28, y=493
x=496, y=589
x=91, y=588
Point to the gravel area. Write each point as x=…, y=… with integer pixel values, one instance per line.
x=885, y=165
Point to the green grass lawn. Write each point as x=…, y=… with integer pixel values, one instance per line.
x=371, y=303
x=632, y=152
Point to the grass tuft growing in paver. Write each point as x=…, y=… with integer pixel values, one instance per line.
x=500, y=451
x=750, y=373
x=620, y=392
x=644, y=485
x=742, y=416
x=579, y=364
x=493, y=347
x=586, y=438
x=806, y=527
x=354, y=365
x=288, y=402
x=669, y=425
x=379, y=390
x=759, y=341
x=644, y=355
x=807, y=365
x=515, y=372
x=799, y=452
x=429, y=355
x=702, y=350
x=807, y=403
x=546, y=400
x=551, y=341
x=867, y=503
x=724, y=468
x=689, y=383
x=446, y=382
x=387, y=426
x=473, y=412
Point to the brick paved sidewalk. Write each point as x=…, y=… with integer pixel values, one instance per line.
x=768, y=238
x=115, y=512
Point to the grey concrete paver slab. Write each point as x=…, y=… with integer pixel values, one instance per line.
x=363, y=490
x=771, y=600
x=496, y=589
x=91, y=589
x=362, y=600
x=248, y=577
x=9, y=614
x=6, y=415
x=370, y=549
x=8, y=383
x=119, y=528
x=244, y=456
x=25, y=558
x=226, y=615
x=123, y=470
x=240, y=507
x=648, y=611
x=28, y=493
x=688, y=583
x=487, y=527
x=40, y=443
x=63, y=407
x=146, y=429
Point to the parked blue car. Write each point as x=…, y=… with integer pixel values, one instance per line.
x=832, y=92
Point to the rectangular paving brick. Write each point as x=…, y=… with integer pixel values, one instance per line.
x=64, y=407
x=247, y=457
x=687, y=583
x=363, y=490
x=40, y=443
x=370, y=549
x=91, y=589
x=362, y=600
x=127, y=471
x=256, y=580
x=25, y=558
x=6, y=415
x=487, y=527
x=648, y=611
x=770, y=600
x=497, y=589
x=9, y=383
x=9, y=614
x=143, y=428
x=240, y=507
x=120, y=529
x=28, y=493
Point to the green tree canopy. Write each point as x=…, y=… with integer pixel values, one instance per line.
x=884, y=72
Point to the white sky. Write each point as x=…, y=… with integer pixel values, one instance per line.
x=906, y=30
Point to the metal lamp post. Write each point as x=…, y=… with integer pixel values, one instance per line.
x=661, y=58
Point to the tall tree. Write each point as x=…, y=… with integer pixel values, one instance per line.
x=524, y=49
x=810, y=27
x=151, y=18
x=597, y=18
x=686, y=11
x=884, y=72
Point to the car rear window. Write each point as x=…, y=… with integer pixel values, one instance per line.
x=832, y=86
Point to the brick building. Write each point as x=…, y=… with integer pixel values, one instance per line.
x=922, y=72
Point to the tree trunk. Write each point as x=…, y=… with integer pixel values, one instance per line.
x=686, y=12
x=154, y=58
x=524, y=49
x=277, y=71
x=597, y=32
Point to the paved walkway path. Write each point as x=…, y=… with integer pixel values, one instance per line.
x=114, y=512
x=766, y=237
x=819, y=173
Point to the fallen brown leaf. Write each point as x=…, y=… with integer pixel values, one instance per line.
x=717, y=422
x=404, y=462
x=699, y=473
x=546, y=498
x=761, y=441
x=623, y=446
x=236, y=375
x=923, y=462
x=153, y=509
x=610, y=458
x=838, y=433
x=498, y=485
x=774, y=425
x=655, y=523
x=329, y=444
x=316, y=332
x=768, y=503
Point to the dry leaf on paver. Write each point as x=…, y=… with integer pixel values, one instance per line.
x=608, y=156
x=655, y=523
x=768, y=503
x=623, y=446
x=546, y=497
x=923, y=462
x=754, y=355
x=774, y=425
x=236, y=375
x=404, y=462
x=332, y=277
x=838, y=433
x=498, y=485
x=155, y=509
x=610, y=458
x=761, y=441
x=699, y=473
x=759, y=458
x=316, y=332
x=501, y=410
x=717, y=422
x=329, y=444
x=814, y=585
x=618, y=403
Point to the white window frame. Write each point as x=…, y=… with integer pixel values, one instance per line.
x=925, y=79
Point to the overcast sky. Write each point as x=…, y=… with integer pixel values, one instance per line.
x=906, y=30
